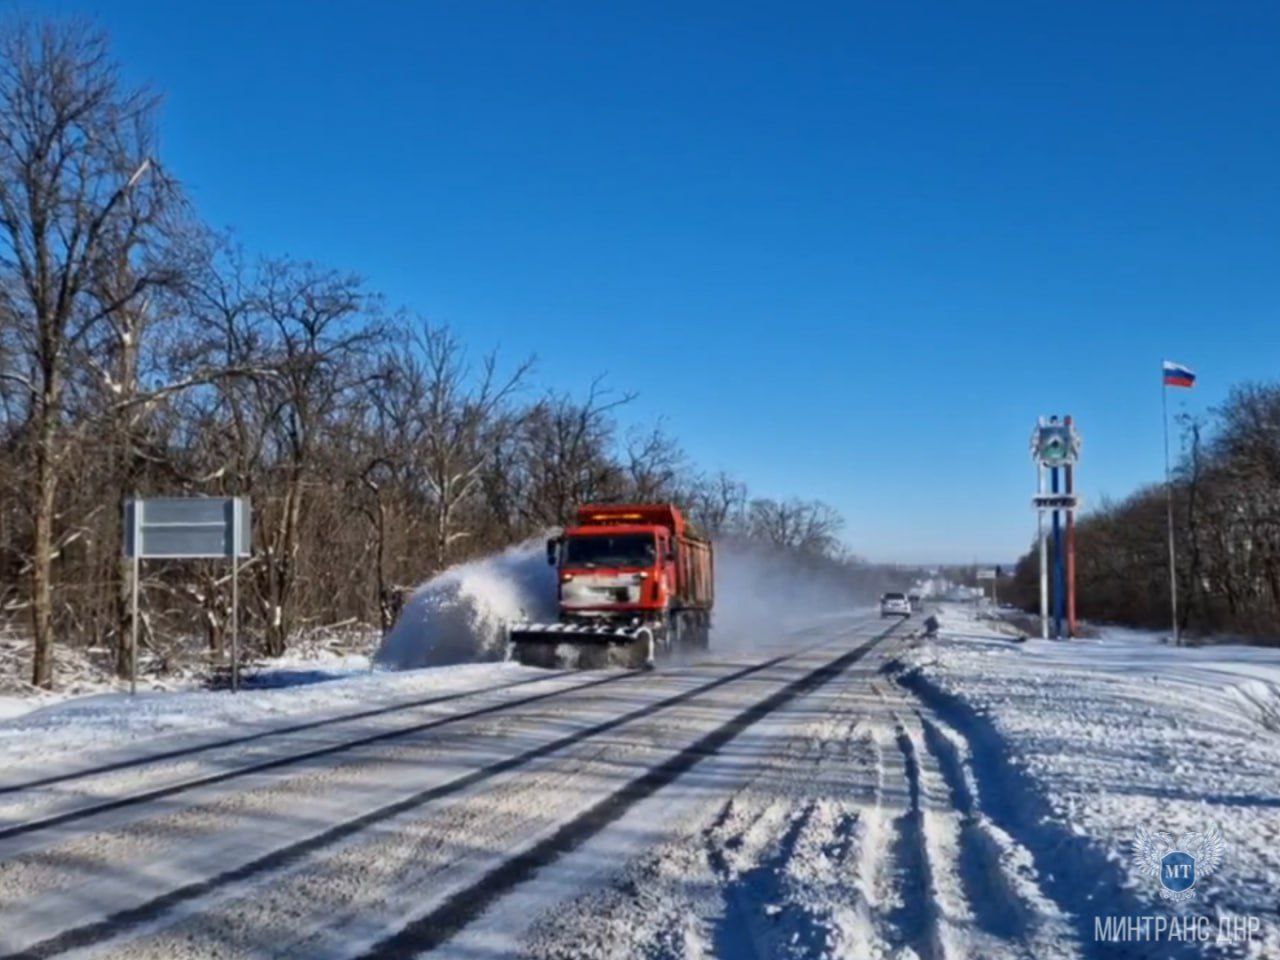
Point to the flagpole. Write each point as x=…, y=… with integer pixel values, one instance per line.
x=1168, y=492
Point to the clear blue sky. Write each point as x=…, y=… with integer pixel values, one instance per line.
x=847, y=251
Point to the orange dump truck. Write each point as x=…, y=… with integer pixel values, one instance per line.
x=633, y=580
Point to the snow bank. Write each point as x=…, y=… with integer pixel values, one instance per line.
x=460, y=616
x=1109, y=733
x=16, y=706
x=1236, y=680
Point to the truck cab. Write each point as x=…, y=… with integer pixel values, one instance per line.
x=632, y=579
x=606, y=571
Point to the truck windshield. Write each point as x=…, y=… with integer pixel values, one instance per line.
x=624, y=550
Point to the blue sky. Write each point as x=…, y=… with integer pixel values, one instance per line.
x=846, y=251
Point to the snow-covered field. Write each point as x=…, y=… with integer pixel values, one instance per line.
x=1080, y=743
x=843, y=790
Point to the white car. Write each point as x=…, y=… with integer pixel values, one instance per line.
x=895, y=605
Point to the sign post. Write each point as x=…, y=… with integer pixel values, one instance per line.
x=1070, y=472
x=1044, y=567
x=133, y=616
x=991, y=574
x=239, y=518
x=1055, y=448
x=187, y=528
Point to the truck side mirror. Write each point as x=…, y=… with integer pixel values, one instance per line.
x=552, y=548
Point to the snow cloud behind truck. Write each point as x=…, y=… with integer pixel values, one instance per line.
x=761, y=594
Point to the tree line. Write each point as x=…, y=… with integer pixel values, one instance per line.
x=1226, y=512
x=143, y=354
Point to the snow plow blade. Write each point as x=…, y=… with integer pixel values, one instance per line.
x=585, y=646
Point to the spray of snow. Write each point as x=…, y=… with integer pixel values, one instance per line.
x=764, y=594
x=460, y=615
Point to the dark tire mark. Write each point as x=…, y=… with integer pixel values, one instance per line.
x=466, y=905
x=915, y=919
x=125, y=920
x=182, y=752
x=996, y=906
x=159, y=793
x=741, y=930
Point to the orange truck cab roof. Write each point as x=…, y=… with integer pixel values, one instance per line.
x=592, y=517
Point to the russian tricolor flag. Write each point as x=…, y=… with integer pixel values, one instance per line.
x=1176, y=375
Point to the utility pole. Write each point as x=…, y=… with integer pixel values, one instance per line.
x=1044, y=558
x=1172, y=375
x=1168, y=502
x=1070, y=473
x=1058, y=579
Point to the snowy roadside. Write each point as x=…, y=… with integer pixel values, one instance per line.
x=290, y=691
x=315, y=655
x=1075, y=745
x=448, y=640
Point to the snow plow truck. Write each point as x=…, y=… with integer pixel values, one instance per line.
x=634, y=581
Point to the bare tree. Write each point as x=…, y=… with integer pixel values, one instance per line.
x=385, y=437
x=317, y=324
x=566, y=455
x=718, y=503
x=81, y=194
x=655, y=465
x=139, y=353
x=457, y=413
x=808, y=526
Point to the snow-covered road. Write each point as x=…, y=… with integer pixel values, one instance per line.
x=384, y=829
x=858, y=791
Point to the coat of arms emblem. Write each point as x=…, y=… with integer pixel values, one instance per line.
x=1177, y=866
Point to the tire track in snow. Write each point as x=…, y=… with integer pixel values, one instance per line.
x=817, y=900
x=151, y=910
x=870, y=851
x=190, y=751
x=742, y=931
x=1075, y=875
x=996, y=907
x=791, y=873
x=438, y=926
x=815, y=883
x=1008, y=911
x=145, y=797
x=914, y=919
x=982, y=896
